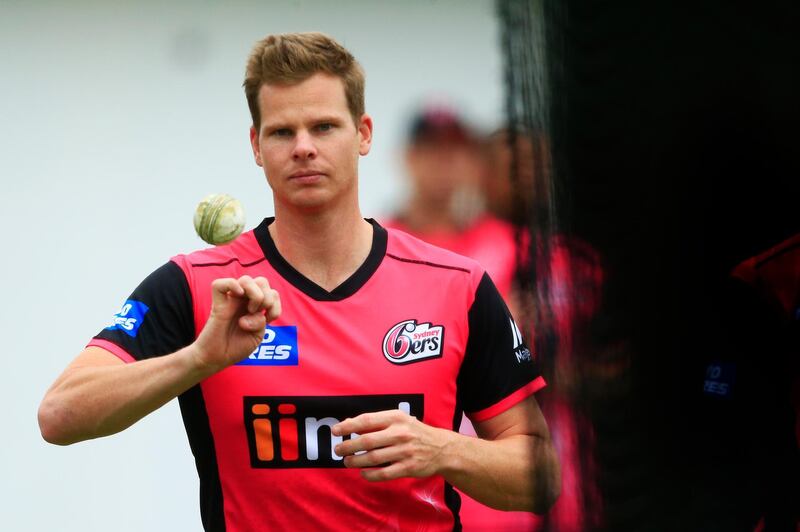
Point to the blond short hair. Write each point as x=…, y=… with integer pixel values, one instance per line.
x=291, y=58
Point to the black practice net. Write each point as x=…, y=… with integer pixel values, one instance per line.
x=654, y=150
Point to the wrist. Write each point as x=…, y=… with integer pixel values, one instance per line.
x=451, y=457
x=197, y=362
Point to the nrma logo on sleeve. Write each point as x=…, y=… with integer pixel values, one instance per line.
x=719, y=380
x=278, y=348
x=129, y=318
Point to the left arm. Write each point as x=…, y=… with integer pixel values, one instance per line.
x=512, y=466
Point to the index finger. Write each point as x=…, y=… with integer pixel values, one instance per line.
x=255, y=290
x=221, y=287
x=369, y=422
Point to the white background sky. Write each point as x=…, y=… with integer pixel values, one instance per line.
x=116, y=118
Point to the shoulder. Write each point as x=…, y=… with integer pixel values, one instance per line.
x=775, y=273
x=406, y=249
x=785, y=253
x=243, y=251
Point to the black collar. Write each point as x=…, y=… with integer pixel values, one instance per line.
x=349, y=287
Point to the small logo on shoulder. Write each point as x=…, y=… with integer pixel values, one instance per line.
x=409, y=341
x=719, y=380
x=521, y=351
x=278, y=348
x=129, y=318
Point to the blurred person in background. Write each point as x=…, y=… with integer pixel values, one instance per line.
x=747, y=394
x=559, y=294
x=444, y=164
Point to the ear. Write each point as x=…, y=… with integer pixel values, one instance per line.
x=365, y=134
x=255, y=146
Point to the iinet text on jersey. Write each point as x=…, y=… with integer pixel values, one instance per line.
x=290, y=432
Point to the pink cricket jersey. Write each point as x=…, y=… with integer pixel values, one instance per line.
x=415, y=328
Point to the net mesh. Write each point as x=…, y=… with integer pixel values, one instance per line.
x=663, y=149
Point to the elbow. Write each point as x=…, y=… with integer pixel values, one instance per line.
x=51, y=424
x=546, y=499
x=547, y=485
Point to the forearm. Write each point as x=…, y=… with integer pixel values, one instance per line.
x=520, y=472
x=92, y=401
x=98, y=395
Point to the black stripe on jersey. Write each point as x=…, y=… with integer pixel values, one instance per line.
x=201, y=441
x=453, y=502
x=234, y=259
x=452, y=499
x=491, y=369
x=777, y=252
x=349, y=287
x=427, y=263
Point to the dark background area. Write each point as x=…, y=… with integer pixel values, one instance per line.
x=675, y=145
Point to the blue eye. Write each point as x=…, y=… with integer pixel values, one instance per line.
x=283, y=132
x=325, y=127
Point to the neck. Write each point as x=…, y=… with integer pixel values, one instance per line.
x=326, y=247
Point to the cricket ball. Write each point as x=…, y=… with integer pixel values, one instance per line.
x=219, y=218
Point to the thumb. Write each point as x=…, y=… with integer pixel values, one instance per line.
x=254, y=323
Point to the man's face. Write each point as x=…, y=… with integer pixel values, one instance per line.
x=308, y=144
x=439, y=167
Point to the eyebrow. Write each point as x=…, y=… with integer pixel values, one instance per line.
x=328, y=118
x=271, y=126
x=266, y=125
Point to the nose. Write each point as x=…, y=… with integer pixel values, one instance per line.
x=304, y=147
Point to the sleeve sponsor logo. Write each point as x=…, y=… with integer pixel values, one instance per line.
x=521, y=351
x=129, y=318
x=409, y=341
x=278, y=348
x=292, y=432
x=719, y=380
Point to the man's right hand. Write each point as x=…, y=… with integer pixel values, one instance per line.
x=240, y=310
x=98, y=394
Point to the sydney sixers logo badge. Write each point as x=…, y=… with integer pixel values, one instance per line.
x=409, y=341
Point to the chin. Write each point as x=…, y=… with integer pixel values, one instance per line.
x=309, y=200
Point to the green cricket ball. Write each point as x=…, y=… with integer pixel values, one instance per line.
x=218, y=219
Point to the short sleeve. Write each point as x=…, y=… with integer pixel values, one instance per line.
x=498, y=370
x=157, y=318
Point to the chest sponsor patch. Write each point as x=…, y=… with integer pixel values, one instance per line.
x=129, y=318
x=409, y=341
x=294, y=432
x=278, y=348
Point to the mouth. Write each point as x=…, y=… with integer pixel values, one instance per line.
x=304, y=175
